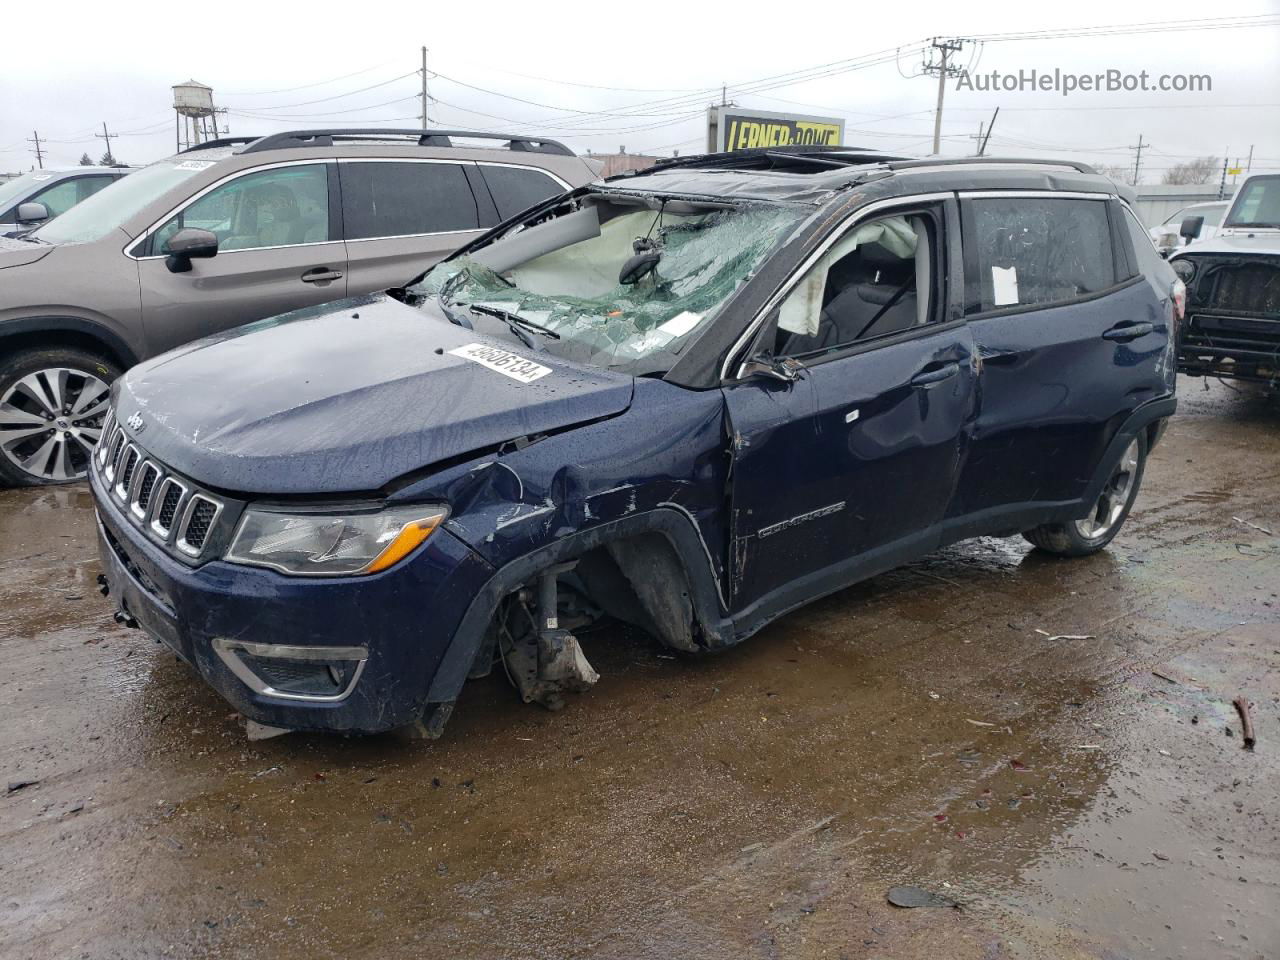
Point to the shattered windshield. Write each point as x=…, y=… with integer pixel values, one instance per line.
x=613, y=284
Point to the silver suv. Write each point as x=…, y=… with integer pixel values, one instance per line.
x=33, y=199
x=228, y=232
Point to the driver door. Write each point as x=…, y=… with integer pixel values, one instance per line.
x=849, y=468
x=279, y=248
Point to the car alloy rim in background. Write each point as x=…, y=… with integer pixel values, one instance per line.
x=50, y=420
x=1107, y=511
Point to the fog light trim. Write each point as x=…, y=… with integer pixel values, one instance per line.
x=227, y=651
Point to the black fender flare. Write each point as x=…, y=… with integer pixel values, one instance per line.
x=71, y=324
x=1141, y=418
x=670, y=520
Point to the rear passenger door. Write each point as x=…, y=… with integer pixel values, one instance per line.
x=401, y=216
x=1071, y=338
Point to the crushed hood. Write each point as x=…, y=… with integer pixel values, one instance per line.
x=348, y=397
x=18, y=253
x=1236, y=240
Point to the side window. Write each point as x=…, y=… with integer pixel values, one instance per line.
x=403, y=199
x=876, y=280
x=61, y=197
x=517, y=188
x=271, y=208
x=91, y=185
x=1024, y=251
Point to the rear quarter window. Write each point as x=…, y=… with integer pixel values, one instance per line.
x=404, y=199
x=1150, y=264
x=1029, y=251
x=518, y=188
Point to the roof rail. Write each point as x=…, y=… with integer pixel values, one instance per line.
x=762, y=157
x=425, y=138
x=220, y=142
x=961, y=161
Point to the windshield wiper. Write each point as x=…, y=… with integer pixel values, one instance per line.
x=515, y=323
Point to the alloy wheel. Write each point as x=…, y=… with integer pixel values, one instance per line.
x=50, y=421
x=1109, y=509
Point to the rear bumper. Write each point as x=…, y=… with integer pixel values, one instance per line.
x=401, y=620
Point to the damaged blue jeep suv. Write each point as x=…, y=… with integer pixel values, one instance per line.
x=690, y=400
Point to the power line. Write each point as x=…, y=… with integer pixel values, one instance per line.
x=338, y=96
x=258, y=115
x=308, y=86
x=1129, y=29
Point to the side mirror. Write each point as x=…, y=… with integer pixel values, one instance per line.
x=1190, y=228
x=32, y=212
x=783, y=369
x=188, y=244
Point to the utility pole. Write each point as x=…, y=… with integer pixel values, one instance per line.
x=425, y=120
x=1137, y=161
x=104, y=135
x=1222, y=184
x=35, y=138
x=942, y=68
x=1249, y=165
x=979, y=138
x=982, y=148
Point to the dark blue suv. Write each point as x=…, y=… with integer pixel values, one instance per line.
x=690, y=400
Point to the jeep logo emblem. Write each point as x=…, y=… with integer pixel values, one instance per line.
x=135, y=423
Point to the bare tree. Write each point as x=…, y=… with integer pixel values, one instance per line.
x=1199, y=170
x=1118, y=173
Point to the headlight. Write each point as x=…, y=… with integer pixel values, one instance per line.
x=332, y=544
x=1185, y=269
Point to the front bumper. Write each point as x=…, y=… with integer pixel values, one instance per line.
x=403, y=620
x=1226, y=345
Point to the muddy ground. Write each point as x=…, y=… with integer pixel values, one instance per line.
x=929, y=727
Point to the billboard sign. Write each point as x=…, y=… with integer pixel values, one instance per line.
x=732, y=128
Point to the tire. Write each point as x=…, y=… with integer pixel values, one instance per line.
x=52, y=404
x=1079, y=538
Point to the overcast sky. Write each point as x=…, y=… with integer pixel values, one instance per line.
x=599, y=75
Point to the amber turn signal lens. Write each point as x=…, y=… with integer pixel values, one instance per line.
x=411, y=536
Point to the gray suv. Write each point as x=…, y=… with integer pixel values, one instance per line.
x=33, y=199
x=228, y=232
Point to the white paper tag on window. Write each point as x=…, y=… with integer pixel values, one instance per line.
x=40, y=177
x=1004, y=286
x=681, y=323
x=193, y=165
x=502, y=361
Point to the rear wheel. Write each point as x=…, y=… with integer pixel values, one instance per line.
x=52, y=404
x=1079, y=538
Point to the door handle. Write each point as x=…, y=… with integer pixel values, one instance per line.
x=928, y=377
x=1127, y=332
x=321, y=275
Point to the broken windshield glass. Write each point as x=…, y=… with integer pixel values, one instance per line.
x=566, y=275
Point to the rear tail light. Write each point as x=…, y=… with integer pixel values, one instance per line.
x=1179, y=300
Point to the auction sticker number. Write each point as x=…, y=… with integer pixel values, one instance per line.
x=502, y=361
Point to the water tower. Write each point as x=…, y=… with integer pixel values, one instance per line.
x=196, y=117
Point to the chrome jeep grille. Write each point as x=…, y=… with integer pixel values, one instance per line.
x=169, y=509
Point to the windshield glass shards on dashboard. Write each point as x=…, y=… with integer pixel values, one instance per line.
x=620, y=282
